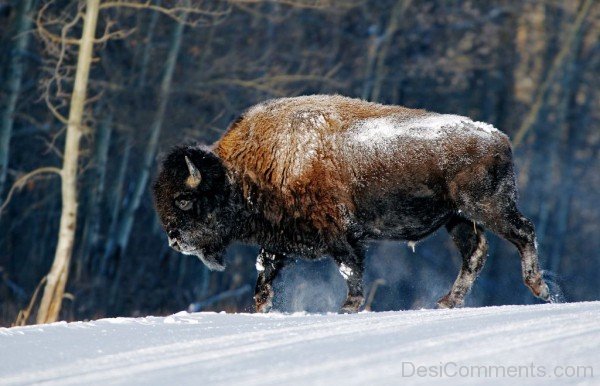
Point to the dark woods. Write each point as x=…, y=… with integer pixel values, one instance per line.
x=182, y=73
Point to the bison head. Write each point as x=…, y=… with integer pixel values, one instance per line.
x=191, y=195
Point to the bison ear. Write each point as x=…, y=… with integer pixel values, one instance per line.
x=195, y=177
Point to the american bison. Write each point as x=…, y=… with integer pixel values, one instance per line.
x=320, y=175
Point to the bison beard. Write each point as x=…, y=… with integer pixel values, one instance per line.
x=322, y=175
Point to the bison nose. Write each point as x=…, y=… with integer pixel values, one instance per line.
x=173, y=244
x=173, y=235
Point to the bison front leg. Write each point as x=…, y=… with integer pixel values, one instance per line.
x=351, y=266
x=268, y=264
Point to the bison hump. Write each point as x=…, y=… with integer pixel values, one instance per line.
x=285, y=160
x=277, y=152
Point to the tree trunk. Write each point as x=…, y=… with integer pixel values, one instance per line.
x=564, y=166
x=118, y=192
x=91, y=229
x=57, y=277
x=147, y=50
x=397, y=14
x=152, y=146
x=373, y=46
x=142, y=181
x=14, y=75
x=116, y=202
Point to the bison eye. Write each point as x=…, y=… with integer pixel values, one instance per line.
x=183, y=204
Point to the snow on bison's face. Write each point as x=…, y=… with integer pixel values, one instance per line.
x=190, y=195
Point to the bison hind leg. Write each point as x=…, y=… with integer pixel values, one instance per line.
x=498, y=212
x=472, y=245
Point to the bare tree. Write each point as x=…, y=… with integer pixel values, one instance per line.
x=57, y=277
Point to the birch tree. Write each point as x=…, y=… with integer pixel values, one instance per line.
x=56, y=280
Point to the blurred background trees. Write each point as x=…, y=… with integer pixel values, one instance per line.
x=169, y=72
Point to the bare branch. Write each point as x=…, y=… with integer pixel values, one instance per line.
x=108, y=34
x=51, y=144
x=47, y=35
x=23, y=315
x=310, y=4
x=18, y=184
x=178, y=13
x=54, y=110
x=270, y=83
x=114, y=35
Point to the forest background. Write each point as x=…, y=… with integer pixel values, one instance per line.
x=163, y=73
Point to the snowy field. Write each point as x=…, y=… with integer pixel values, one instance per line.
x=538, y=344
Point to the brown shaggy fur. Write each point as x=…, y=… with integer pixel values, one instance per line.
x=295, y=158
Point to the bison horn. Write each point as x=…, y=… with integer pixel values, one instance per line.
x=195, y=177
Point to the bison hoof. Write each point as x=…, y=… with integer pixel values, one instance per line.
x=448, y=302
x=263, y=301
x=263, y=307
x=352, y=304
x=539, y=288
x=263, y=304
x=542, y=292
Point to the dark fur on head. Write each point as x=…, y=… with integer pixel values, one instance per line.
x=195, y=218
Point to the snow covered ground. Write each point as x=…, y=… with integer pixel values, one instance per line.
x=557, y=343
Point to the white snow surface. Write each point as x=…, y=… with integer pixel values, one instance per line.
x=368, y=348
